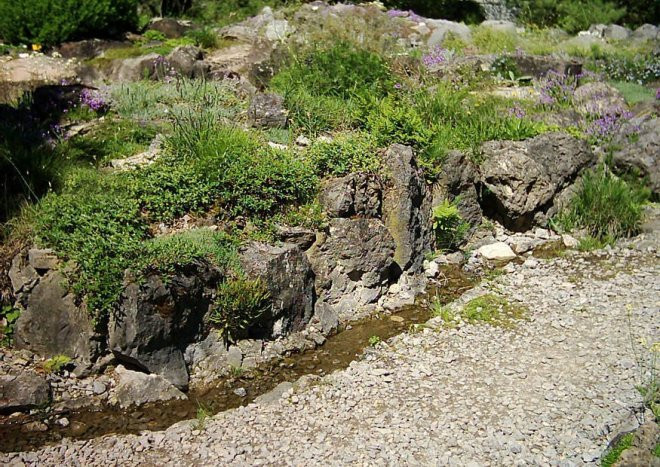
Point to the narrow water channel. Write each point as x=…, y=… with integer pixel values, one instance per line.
x=336, y=353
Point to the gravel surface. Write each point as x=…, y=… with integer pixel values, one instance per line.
x=551, y=390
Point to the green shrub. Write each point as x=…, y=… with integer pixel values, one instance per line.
x=239, y=304
x=448, y=225
x=605, y=206
x=313, y=114
x=205, y=37
x=56, y=364
x=50, y=22
x=346, y=153
x=392, y=120
x=8, y=317
x=153, y=35
x=490, y=40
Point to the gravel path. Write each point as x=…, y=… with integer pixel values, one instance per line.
x=552, y=390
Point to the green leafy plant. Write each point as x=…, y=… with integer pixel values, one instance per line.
x=448, y=225
x=56, y=364
x=8, y=317
x=345, y=153
x=374, y=341
x=492, y=309
x=240, y=303
x=153, y=35
x=204, y=37
x=202, y=415
x=48, y=22
x=614, y=453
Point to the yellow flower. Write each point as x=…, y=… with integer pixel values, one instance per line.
x=36, y=47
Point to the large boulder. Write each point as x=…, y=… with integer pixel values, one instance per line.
x=521, y=178
x=457, y=182
x=598, y=99
x=188, y=61
x=406, y=207
x=356, y=194
x=353, y=263
x=134, y=69
x=639, y=154
x=23, y=391
x=159, y=316
x=170, y=27
x=646, y=32
x=539, y=66
x=52, y=322
x=21, y=75
x=290, y=281
x=442, y=27
x=267, y=111
x=135, y=388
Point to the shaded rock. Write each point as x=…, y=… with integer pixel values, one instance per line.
x=301, y=237
x=267, y=111
x=499, y=251
x=326, y=318
x=616, y=32
x=538, y=66
x=134, y=69
x=598, y=98
x=23, y=391
x=172, y=28
x=520, y=178
x=354, y=194
x=442, y=27
x=288, y=276
x=20, y=75
x=353, y=263
x=158, y=317
x=21, y=274
x=640, y=154
x=87, y=49
x=187, y=60
x=406, y=207
x=53, y=324
x=135, y=388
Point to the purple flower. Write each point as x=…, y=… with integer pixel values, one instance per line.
x=611, y=123
x=93, y=99
x=435, y=57
x=657, y=93
x=517, y=112
x=398, y=86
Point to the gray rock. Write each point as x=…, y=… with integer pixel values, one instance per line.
x=267, y=111
x=157, y=318
x=23, y=391
x=406, y=207
x=352, y=262
x=326, y=318
x=642, y=153
x=499, y=251
x=187, y=60
x=355, y=194
x=42, y=259
x=21, y=274
x=299, y=236
x=52, y=324
x=98, y=387
x=598, y=98
x=646, y=32
x=522, y=177
x=240, y=392
x=275, y=394
x=134, y=69
x=539, y=66
x=277, y=30
x=442, y=27
x=172, y=28
x=616, y=32
x=288, y=276
x=135, y=388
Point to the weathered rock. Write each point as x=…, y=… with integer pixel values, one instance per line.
x=87, y=49
x=267, y=111
x=598, y=98
x=20, y=75
x=354, y=194
x=406, y=207
x=278, y=30
x=616, y=32
x=134, y=69
x=274, y=394
x=21, y=274
x=538, y=66
x=645, y=441
x=172, y=28
x=569, y=241
x=157, y=318
x=187, y=60
x=290, y=281
x=301, y=237
x=499, y=251
x=45, y=259
x=641, y=153
x=135, y=388
x=646, y=32
x=442, y=27
x=353, y=263
x=521, y=178
x=23, y=391
x=53, y=324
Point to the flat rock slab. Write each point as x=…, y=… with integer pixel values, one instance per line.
x=135, y=388
x=26, y=74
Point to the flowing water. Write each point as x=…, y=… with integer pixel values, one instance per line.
x=336, y=353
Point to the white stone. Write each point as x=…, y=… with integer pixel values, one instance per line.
x=569, y=241
x=499, y=251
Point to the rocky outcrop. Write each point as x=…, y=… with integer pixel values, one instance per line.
x=521, y=178
x=267, y=111
x=133, y=69
x=170, y=27
x=135, y=388
x=639, y=154
x=188, y=61
x=539, y=66
x=406, y=207
x=157, y=318
x=598, y=98
x=289, y=279
x=23, y=391
x=20, y=75
x=441, y=28
x=356, y=194
x=353, y=263
x=646, y=32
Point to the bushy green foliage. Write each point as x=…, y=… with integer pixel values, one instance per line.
x=448, y=225
x=605, y=206
x=393, y=120
x=50, y=22
x=204, y=37
x=345, y=153
x=56, y=364
x=490, y=40
x=571, y=15
x=239, y=304
x=455, y=10
x=8, y=317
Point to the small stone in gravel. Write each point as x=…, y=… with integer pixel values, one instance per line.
x=98, y=387
x=240, y=392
